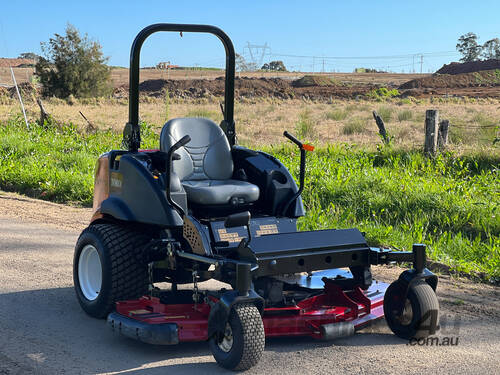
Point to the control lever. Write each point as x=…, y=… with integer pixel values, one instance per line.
x=303, y=148
x=170, y=155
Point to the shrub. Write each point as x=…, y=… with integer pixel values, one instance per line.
x=382, y=93
x=73, y=65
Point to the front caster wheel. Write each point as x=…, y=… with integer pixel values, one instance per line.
x=415, y=316
x=242, y=344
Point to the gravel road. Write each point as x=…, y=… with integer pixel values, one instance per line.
x=44, y=331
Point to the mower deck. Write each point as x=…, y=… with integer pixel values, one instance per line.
x=329, y=314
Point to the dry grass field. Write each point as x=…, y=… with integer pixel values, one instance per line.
x=262, y=121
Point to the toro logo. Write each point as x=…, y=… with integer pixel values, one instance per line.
x=116, y=181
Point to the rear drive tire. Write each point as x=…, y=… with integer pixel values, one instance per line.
x=420, y=315
x=106, y=268
x=244, y=339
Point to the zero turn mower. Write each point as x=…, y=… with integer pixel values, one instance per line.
x=200, y=207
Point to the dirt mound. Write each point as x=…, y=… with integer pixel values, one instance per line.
x=5, y=62
x=310, y=80
x=487, y=78
x=469, y=67
x=26, y=89
x=309, y=88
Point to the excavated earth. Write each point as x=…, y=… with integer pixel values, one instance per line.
x=250, y=88
x=469, y=67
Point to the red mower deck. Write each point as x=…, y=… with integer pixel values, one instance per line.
x=329, y=315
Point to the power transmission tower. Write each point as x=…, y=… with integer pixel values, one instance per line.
x=257, y=54
x=421, y=62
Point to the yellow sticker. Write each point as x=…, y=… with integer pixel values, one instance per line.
x=267, y=229
x=229, y=237
x=138, y=312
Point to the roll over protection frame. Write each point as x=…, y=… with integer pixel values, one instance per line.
x=131, y=132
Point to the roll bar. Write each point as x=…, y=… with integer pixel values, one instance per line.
x=131, y=132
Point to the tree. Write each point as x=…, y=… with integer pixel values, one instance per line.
x=467, y=45
x=491, y=49
x=28, y=55
x=73, y=65
x=241, y=64
x=276, y=66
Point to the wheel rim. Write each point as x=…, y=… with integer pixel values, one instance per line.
x=227, y=341
x=90, y=272
x=406, y=315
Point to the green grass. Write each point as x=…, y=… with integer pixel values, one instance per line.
x=55, y=162
x=385, y=113
x=305, y=125
x=382, y=94
x=451, y=203
x=405, y=115
x=354, y=126
x=336, y=115
x=483, y=120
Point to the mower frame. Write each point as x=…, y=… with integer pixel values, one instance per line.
x=255, y=255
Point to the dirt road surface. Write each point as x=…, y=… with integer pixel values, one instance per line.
x=44, y=331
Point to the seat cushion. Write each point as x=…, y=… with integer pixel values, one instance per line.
x=206, y=157
x=218, y=192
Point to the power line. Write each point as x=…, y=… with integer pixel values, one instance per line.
x=411, y=55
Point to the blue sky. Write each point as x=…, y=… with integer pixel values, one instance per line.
x=391, y=29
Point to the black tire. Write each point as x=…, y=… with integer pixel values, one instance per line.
x=123, y=275
x=248, y=339
x=420, y=316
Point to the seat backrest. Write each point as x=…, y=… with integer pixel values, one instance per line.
x=206, y=157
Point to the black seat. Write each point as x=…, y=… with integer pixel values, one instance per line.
x=206, y=166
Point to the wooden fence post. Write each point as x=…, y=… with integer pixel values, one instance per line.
x=43, y=113
x=431, y=131
x=381, y=127
x=444, y=126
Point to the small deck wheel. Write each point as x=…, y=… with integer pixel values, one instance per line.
x=415, y=317
x=242, y=343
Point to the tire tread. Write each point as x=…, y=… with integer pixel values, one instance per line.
x=129, y=277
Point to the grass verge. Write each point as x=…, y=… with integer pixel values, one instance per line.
x=397, y=197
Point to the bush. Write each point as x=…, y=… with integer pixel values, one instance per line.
x=382, y=93
x=73, y=65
